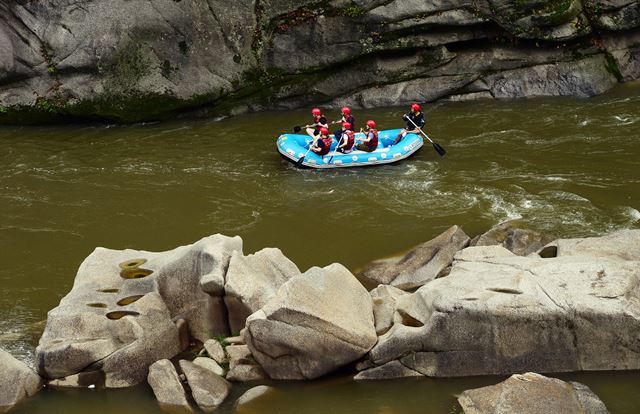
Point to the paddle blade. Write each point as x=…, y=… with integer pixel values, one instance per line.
x=297, y=129
x=300, y=161
x=439, y=149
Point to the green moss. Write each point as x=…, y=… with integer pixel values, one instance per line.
x=3, y=109
x=126, y=67
x=351, y=11
x=612, y=66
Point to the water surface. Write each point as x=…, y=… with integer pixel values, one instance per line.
x=565, y=166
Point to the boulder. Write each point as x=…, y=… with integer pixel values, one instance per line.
x=532, y=393
x=242, y=366
x=384, y=299
x=316, y=323
x=215, y=350
x=622, y=246
x=121, y=314
x=17, y=382
x=252, y=280
x=390, y=370
x=166, y=385
x=421, y=264
x=512, y=236
x=253, y=393
x=209, y=364
x=503, y=314
x=209, y=390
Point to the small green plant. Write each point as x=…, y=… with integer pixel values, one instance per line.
x=3, y=109
x=352, y=11
x=51, y=70
x=222, y=339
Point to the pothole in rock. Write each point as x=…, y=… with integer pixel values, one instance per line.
x=549, y=252
x=115, y=315
x=97, y=305
x=108, y=290
x=128, y=300
x=135, y=273
x=132, y=264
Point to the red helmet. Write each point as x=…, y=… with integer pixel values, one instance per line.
x=415, y=107
x=346, y=110
x=371, y=123
x=316, y=112
x=324, y=131
x=346, y=125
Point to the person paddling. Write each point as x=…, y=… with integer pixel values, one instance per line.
x=346, y=117
x=322, y=145
x=415, y=122
x=370, y=142
x=319, y=121
x=345, y=144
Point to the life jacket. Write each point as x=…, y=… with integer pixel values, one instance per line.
x=351, y=139
x=373, y=144
x=325, y=146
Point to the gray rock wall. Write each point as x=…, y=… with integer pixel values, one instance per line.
x=140, y=60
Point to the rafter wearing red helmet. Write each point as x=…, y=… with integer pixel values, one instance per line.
x=346, y=116
x=370, y=142
x=319, y=121
x=415, y=121
x=345, y=144
x=322, y=145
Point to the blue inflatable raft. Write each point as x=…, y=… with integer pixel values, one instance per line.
x=294, y=146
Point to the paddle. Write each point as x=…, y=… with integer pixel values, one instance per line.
x=436, y=146
x=335, y=150
x=297, y=129
x=299, y=162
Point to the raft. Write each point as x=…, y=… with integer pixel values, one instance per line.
x=294, y=146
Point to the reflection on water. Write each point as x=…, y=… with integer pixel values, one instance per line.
x=565, y=166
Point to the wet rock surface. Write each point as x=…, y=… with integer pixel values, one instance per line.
x=141, y=60
x=17, y=382
x=532, y=393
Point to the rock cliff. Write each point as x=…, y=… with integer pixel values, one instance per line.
x=132, y=60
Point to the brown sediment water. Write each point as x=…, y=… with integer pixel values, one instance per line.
x=564, y=166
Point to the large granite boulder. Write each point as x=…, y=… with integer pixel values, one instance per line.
x=513, y=236
x=532, y=393
x=316, y=323
x=17, y=381
x=498, y=313
x=252, y=280
x=121, y=314
x=209, y=390
x=167, y=387
x=421, y=264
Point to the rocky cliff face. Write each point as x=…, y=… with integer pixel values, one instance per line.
x=131, y=60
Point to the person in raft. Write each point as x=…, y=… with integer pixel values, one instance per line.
x=319, y=121
x=322, y=145
x=345, y=143
x=370, y=142
x=414, y=117
x=346, y=117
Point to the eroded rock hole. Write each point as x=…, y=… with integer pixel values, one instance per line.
x=115, y=315
x=408, y=320
x=108, y=290
x=128, y=300
x=135, y=273
x=97, y=305
x=506, y=290
x=132, y=264
x=549, y=252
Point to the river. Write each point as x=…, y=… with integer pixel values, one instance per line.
x=565, y=166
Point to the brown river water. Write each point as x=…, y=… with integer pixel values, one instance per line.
x=565, y=166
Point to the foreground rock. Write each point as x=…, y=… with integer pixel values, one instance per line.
x=121, y=315
x=17, y=381
x=252, y=280
x=498, y=313
x=316, y=323
x=242, y=366
x=532, y=394
x=513, y=237
x=165, y=383
x=421, y=264
x=252, y=394
x=209, y=390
